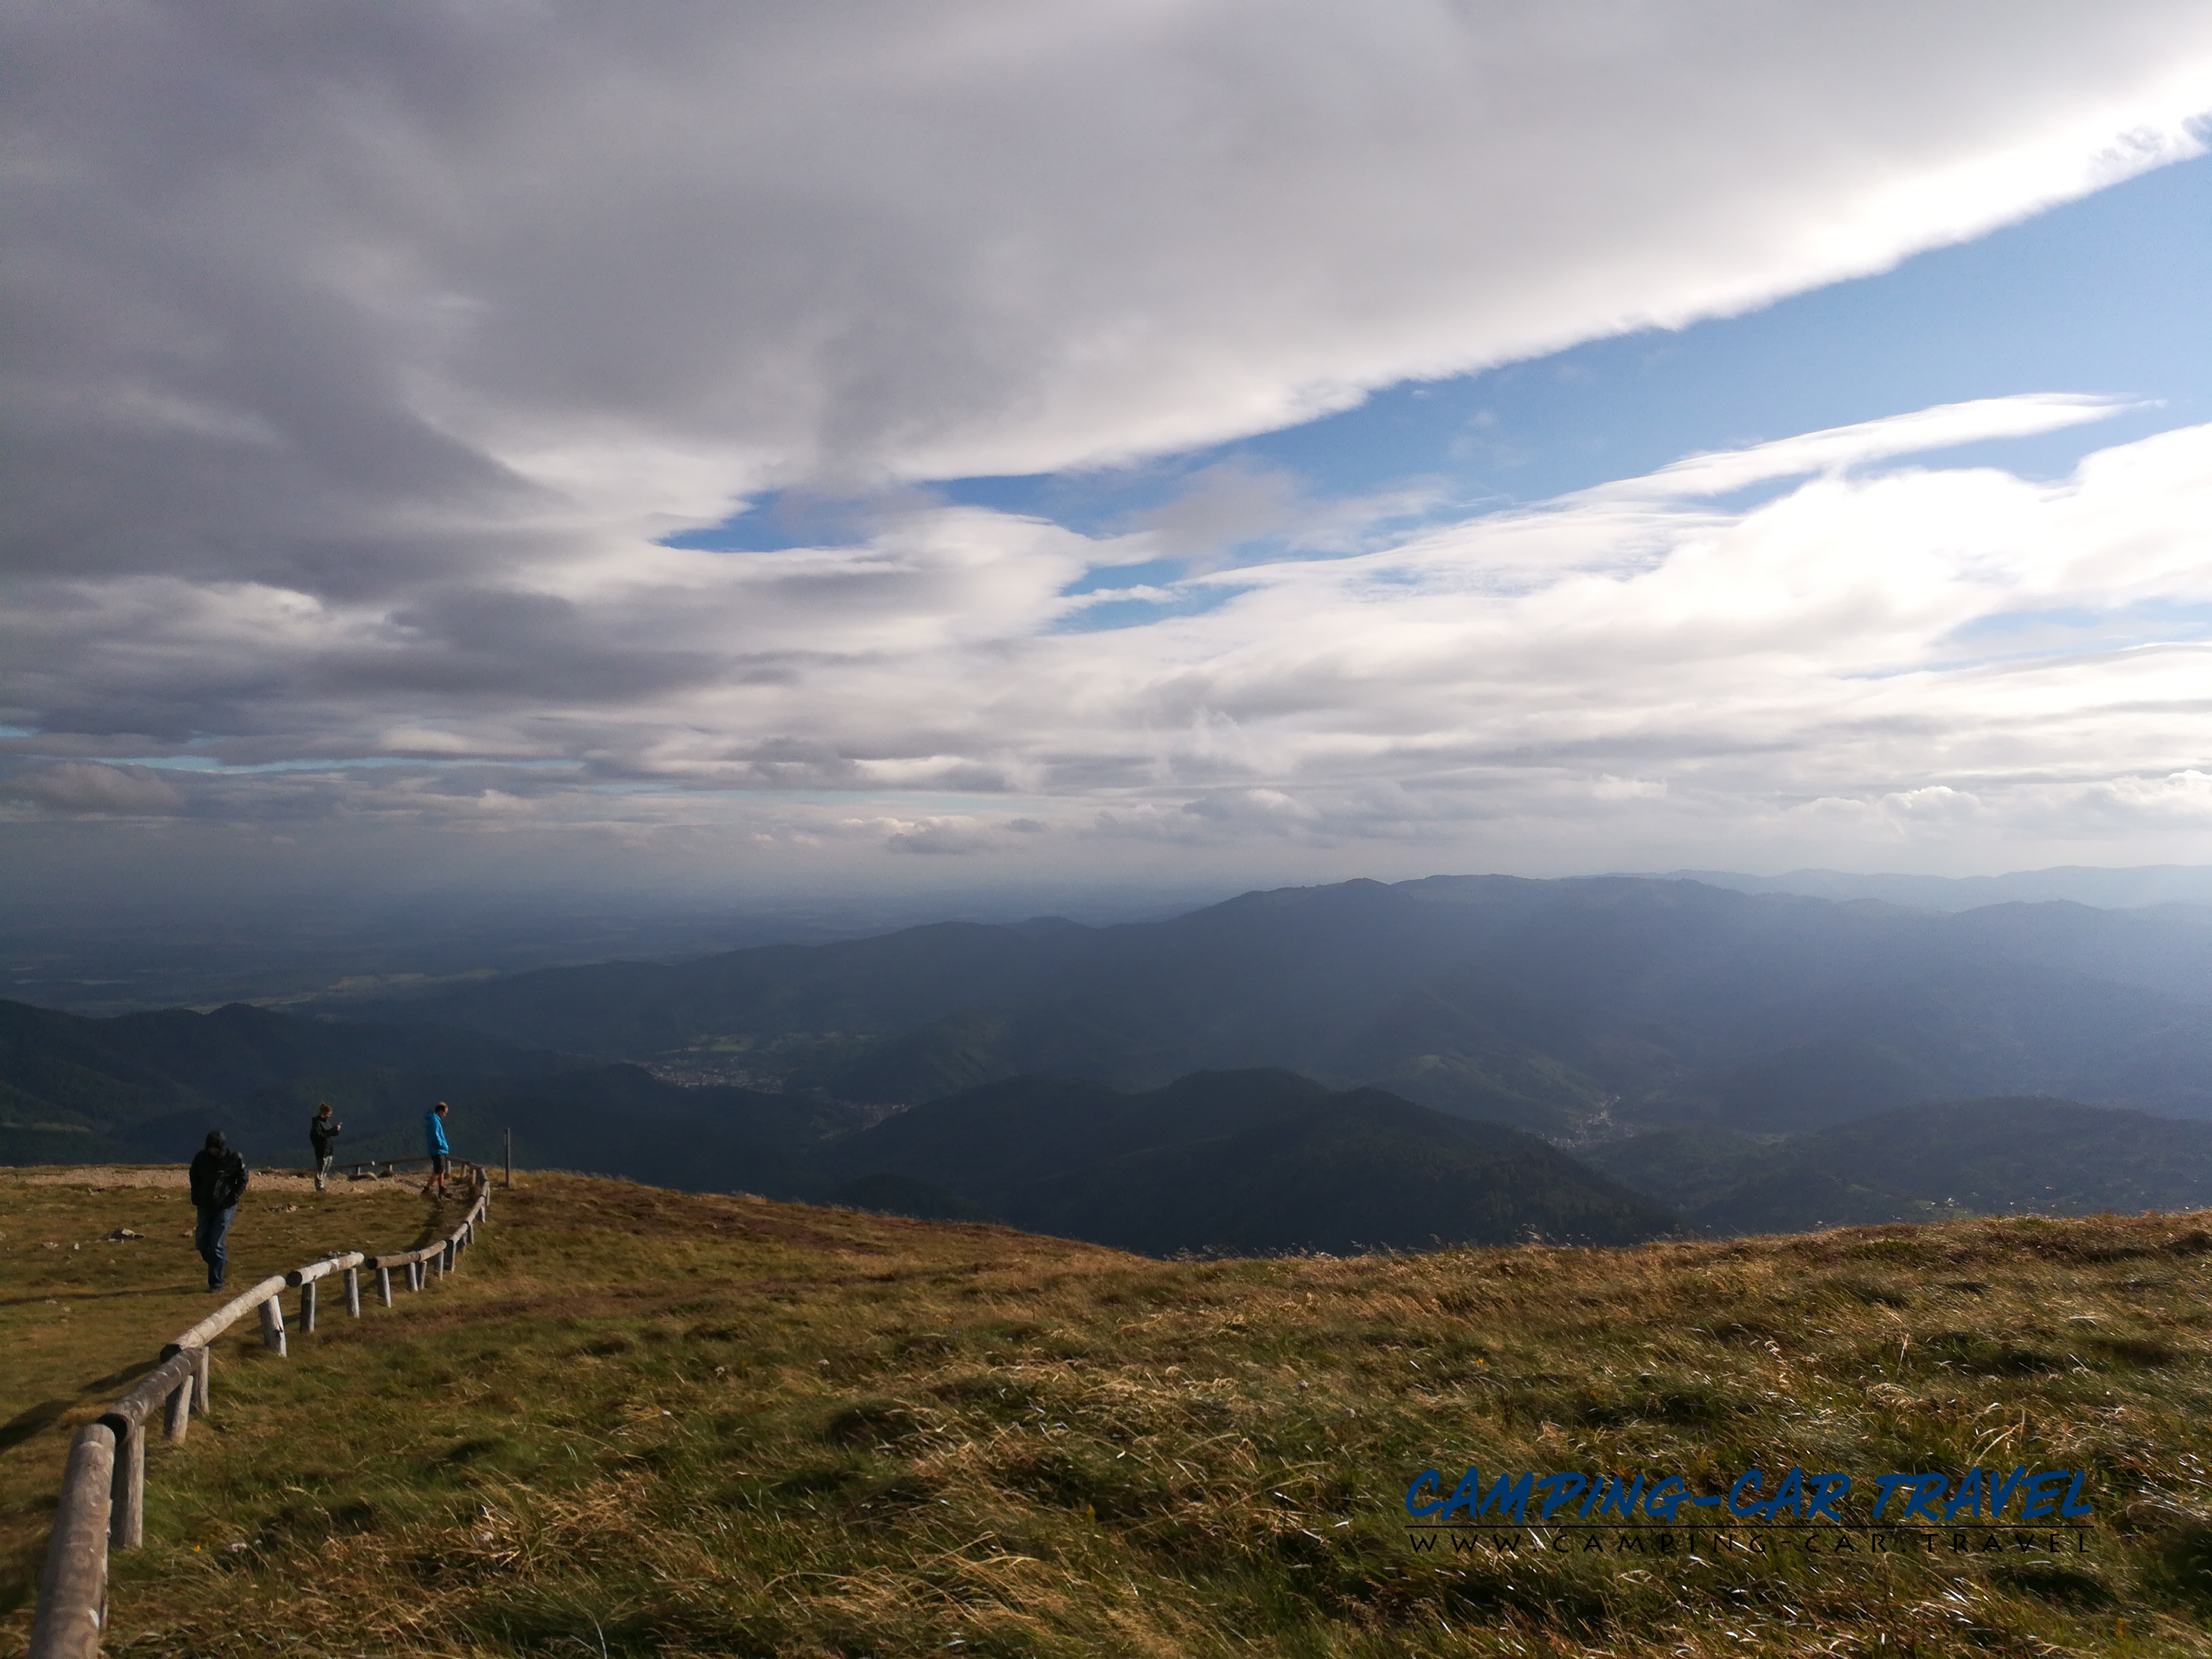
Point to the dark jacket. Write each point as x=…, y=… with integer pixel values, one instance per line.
x=218, y=1179
x=323, y=1132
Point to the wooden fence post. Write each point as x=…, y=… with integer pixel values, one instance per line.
x=272, y=1327
x=180, y=1409
x=126, y=1498
x=510, y=1156
x=102, y=1506
x=73, y=1583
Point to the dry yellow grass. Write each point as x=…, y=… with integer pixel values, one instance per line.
x=650, y=1423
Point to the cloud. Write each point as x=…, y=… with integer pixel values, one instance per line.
x=446, y=294
x=941, y=836
x=2180, y=800
x=1840, y=448
x=83, y=786
x=1220, y=508
x=1835, y=664
x=1232, y=507
x=361, y=369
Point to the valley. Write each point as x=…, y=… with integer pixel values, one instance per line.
x=1453, y=1060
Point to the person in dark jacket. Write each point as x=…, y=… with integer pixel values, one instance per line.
x=323, y=1132
x=219, y=1178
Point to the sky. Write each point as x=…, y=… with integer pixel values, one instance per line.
x=1185, y=444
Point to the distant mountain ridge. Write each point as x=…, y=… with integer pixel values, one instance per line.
x=2131, y=887
x=1560, y=1006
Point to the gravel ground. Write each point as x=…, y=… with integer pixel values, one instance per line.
x=265, y=1181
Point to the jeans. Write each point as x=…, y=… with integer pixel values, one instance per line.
x=209, y=1239
x=323, y=1163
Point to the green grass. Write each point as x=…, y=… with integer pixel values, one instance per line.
x=82, y=1316
x=644, y=1422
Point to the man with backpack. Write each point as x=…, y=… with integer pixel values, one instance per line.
x=323, y=1132
x=219, y=1179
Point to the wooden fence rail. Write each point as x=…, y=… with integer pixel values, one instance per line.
x=103, y=1501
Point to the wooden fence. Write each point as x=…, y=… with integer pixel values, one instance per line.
x=103, y=1503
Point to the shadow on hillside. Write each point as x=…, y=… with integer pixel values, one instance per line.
x=101, y=1296
x=437, y=1222
x=25, y=1425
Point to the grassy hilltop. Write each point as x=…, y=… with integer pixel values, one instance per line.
x=644, y=1422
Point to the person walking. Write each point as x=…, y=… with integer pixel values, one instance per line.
x=219, y=1181
x=434, y=1142
x=323, y=1132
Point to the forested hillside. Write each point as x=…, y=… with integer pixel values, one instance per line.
x=1244, y=1162
x=1922, y=1162
x=145, y=1088
x=1553, y=1006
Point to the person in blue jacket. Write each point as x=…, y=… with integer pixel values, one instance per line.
x=434, y=1142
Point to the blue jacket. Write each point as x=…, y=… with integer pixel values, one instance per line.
x=434, y=1132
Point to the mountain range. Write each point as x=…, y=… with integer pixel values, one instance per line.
x=1566, y=1007
x=1457, y=1059
x=2126, y=888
